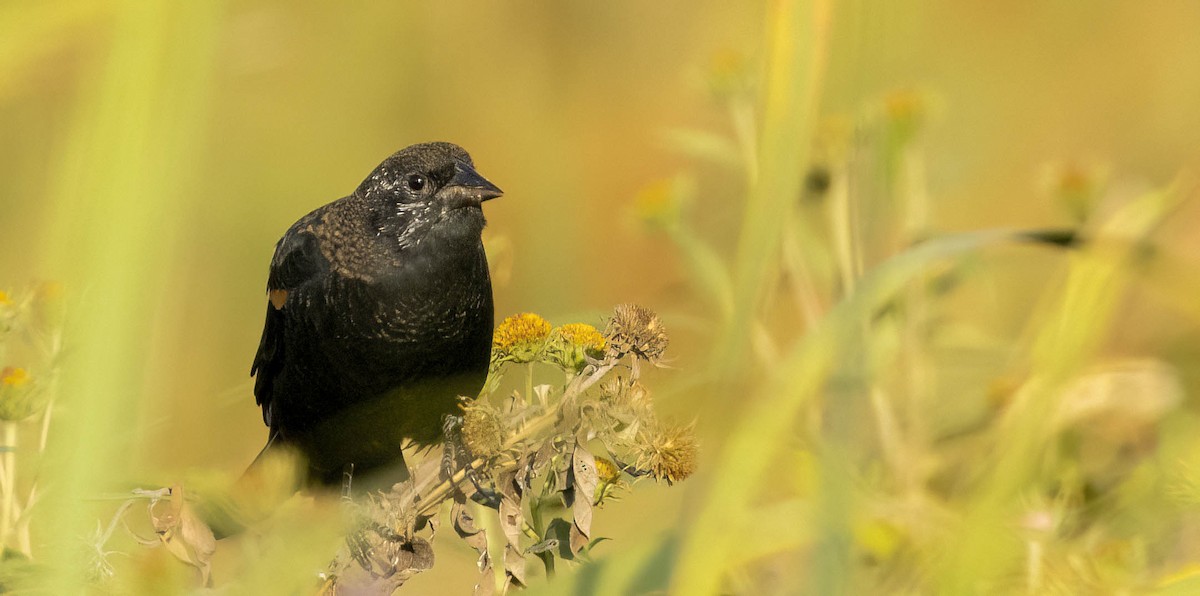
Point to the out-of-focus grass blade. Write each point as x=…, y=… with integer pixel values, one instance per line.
x=299, y=543
x=768, y=424
x=1183, y=583
x=799, y=32
x=132, y=152
x=704, y=145
x=707, y=268
x=642, y=568
x=28, y=30
x=1175, y=279
x=1063, y=343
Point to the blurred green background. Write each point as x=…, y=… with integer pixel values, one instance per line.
x=154, y=151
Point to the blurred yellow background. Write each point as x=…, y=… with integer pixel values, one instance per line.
x=153, y=152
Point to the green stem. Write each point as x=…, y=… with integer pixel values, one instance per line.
x=539, y=526
x=529, y=383
x=10, y=479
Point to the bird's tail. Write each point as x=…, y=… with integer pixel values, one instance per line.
x=273, y=477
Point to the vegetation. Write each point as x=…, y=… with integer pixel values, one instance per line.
x=930, y=343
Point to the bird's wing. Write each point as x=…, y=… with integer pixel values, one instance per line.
x=297, y=260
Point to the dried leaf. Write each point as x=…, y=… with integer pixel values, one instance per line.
x=375, y=564
x=1121, y=400
x=703, y=144
x=464, y=525
x=541, y=461
x=435, y=522
x=583, y=481
x=511, y=520
x=542, y=392
x=183, y=532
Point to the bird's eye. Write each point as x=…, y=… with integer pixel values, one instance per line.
x=415, y=182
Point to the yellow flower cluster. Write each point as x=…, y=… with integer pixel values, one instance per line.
x=520, y=337
x=583, y=336
x=572, y=344
x=527, y=337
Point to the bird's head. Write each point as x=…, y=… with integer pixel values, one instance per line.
x=427, y=189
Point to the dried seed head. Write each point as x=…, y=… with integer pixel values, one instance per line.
x=628, y=404
x=636, y=330
x=667, y=453
x=614, y=390
x=571, y=345
x=482, y=431
x=520, y=338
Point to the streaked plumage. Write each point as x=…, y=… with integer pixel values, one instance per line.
x=379, y=314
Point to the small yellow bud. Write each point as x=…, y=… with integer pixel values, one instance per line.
x=1076, y=187
x=14, y=377
x=19, y=397
x=607, y=470
x=729, y=73
x=906, y=111
x=658, y=203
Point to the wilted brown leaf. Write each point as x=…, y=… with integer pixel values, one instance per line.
x=583, y=481
x=464, y=525
x=183, y=532
x=511, y=519
x=383, y=564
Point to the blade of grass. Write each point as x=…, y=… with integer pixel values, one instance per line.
x=1096, y=281
x=741, y=466
x=131, y=153
x=799, y=31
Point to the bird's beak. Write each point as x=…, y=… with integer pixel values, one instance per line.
x=471, y=185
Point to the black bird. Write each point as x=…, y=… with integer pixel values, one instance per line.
x=379, y=316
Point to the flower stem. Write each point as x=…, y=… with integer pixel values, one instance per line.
x=529, y=383
x=10, y=479
x=539, y=526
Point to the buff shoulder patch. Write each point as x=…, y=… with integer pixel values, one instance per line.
x=278, y=298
